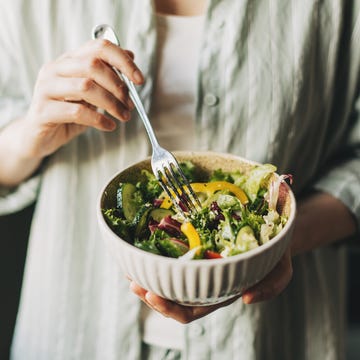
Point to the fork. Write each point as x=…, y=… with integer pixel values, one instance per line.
x=163, y=163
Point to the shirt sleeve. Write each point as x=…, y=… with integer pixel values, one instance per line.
x=342, y=179
x=13, y=104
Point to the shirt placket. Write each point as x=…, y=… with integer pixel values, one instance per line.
x=210, y=86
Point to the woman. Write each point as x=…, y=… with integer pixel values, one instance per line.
x=271, y=82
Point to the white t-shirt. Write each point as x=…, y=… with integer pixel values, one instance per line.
x=173, y=106
x=173, y=118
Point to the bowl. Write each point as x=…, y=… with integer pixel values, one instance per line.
x=194, y=282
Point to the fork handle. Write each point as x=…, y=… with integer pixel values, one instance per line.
x=134, y=95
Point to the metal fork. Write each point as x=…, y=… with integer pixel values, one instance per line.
x=164, y=165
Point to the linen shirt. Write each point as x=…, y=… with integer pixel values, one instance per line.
x=278, y=82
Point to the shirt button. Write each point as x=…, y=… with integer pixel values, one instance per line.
x=221, y=23
x=171, y=355
x=196, y=330
x=210, y=99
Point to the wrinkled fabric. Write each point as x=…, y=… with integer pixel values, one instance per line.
x=278, y=82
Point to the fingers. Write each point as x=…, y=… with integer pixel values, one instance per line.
x=110, y=53
x=85, y=89
x=57, y=112
x=87, y=75
x=96, y=70
x=69, y=90
x=130, y=53
x=181, y=313
x=138, y=290
x=114, y=56
x=273, y=284
x=163, y=306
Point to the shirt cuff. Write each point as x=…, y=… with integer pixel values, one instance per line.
x=18, y=198
x=343, y=183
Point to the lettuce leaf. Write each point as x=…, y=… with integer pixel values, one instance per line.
x=257, y=179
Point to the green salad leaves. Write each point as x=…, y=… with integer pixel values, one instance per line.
x=238, y=214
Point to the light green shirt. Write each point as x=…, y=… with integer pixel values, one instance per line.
x=278, y=82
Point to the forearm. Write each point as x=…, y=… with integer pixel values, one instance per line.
x=16, y=164
x=321, y=219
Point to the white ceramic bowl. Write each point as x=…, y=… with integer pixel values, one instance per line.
x=194, y=282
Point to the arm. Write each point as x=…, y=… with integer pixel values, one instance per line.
x=322, y=219
x=15, y=164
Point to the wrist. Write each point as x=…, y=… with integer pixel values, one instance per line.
x=321, y=220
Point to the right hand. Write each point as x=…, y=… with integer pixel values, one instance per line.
x=70, y=89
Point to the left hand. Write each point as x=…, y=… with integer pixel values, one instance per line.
x=271, y=286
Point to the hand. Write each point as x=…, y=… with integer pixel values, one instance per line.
x=181, y=313
x=68, y=92
x=271, y=286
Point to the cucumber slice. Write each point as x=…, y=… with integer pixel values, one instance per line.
x=158, y=213
x=245, y=239
x=140, y=221
x=173, y=247
x=126, y=201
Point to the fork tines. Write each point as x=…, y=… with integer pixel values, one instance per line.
x=178, y=188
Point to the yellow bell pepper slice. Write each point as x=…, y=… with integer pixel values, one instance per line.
x=210, y=187
x=192, y=235
x=167, y=203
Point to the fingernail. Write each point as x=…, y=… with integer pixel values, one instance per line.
x=246, y=299
x=126, y=115
x=252, y=297
x=149, y=299
x=110, y=125
x=138, y=77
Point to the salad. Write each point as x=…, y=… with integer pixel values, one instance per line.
x=238, y=213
